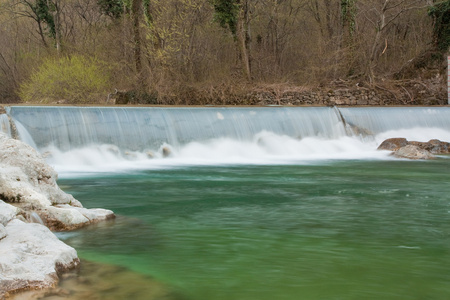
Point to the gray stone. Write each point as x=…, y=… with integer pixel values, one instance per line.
x=413, y=152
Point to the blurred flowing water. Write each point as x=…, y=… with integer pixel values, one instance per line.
x=336, y=230
x=252, y=203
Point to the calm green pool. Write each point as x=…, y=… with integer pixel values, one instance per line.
x=332, y=230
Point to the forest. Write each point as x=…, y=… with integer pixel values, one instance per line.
x=197, y=52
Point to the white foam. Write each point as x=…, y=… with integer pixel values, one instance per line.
x=266, y=148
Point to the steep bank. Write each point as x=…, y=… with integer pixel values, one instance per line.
x=31, y=203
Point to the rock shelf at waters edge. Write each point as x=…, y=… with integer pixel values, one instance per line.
x=31, y=207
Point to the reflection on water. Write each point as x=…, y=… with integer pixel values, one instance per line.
x=336, y=230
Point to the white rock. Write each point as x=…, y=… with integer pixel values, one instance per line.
x=7, y=212
x=17, y=188
x=63, y=217
x=95, y=214
x=66, y=217
x=31, y=256
x=24, y=169
x=29, y=183
x=2, y=232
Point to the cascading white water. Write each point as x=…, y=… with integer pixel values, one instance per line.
x=412, y=123
x=4, y=124
x=137, y=129
x=107, y=139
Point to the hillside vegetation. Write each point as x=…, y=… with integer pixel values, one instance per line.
x=200, y=52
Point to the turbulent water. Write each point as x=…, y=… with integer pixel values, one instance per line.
x=254, y=203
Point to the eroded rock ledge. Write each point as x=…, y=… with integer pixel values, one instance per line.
x=31, y=256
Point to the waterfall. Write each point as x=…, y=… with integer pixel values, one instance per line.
x=379, y=119
x=4, y=124
x=95, y=139
x=137, y=129
x=413, y=123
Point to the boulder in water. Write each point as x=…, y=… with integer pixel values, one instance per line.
x=166, y=152
x=434, y=146
x=393, y=144
x=413, y=152
x=420, y=150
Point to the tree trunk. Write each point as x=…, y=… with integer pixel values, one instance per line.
x=348, y=13
x=373, y=53
x=136, y=8
x=243, y=38
x=57, y=20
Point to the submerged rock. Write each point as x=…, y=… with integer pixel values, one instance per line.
x=102, y=281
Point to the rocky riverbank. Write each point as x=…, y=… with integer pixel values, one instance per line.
x=31, y=205
x=432, y=91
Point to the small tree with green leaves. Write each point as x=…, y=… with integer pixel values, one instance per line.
x=75, y=79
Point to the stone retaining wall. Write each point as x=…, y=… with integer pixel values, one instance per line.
x=411, y=93
x=361, y=96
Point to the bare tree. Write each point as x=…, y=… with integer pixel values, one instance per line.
x=382, y=15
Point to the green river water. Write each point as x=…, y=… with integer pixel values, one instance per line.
x=367, y=229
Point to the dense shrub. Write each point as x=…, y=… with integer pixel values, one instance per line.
x=73, y=79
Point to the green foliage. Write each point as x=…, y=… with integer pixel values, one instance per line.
x=111, y=8
x=148, y=16
x=43, y=10
x=75, y=79
x=441, y=15
x=226, y=13
x=348, y=13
